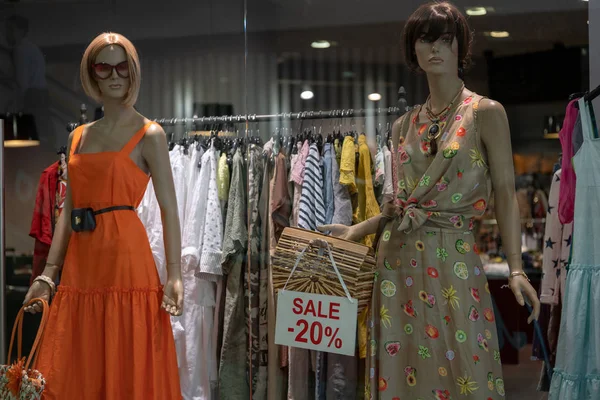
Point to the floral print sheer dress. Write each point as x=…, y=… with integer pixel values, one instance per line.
x=434, y=332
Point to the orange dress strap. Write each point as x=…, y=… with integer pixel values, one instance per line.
x=128, y=148
x=76, y=138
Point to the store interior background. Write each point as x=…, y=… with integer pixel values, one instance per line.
x=197, y=58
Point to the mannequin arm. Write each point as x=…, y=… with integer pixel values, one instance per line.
x=369, y=227
x=156, y=153
x=62, y=232
x=495, y=135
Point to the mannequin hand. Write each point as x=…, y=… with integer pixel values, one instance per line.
x=520, y=285
x=339, y=231
x=37, y=290
x=173, y=297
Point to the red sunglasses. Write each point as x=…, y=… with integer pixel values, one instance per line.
x=104, y=70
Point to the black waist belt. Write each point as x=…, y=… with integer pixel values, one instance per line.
x=84, y=219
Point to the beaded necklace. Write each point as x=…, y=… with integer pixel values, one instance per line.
x=437, y=123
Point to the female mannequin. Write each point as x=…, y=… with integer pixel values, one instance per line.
x=431, y=299
x=107, y=337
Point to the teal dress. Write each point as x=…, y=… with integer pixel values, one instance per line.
x=577, y=372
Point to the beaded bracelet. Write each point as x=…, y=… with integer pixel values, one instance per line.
x=48, y=281
x=518, y=273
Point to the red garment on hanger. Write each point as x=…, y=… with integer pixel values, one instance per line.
x=568, y=180
x=42, y=224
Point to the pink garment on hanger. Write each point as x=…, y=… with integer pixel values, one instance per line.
x=298, y=170
x=566, y=200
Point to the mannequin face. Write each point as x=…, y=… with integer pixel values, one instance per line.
x=439, y=57
x=114, y=87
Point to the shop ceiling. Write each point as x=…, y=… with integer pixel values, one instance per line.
x=533, y=25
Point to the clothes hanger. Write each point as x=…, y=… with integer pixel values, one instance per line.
x=171, y=129
x=388, y=134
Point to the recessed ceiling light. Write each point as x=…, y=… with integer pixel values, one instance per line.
x=497, y=34
x=374, y=97
x=321, y=44
x=476, y=11
x=307, y=95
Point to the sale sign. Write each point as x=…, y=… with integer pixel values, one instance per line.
x=316, y=322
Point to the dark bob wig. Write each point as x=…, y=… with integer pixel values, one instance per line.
x=433, y=20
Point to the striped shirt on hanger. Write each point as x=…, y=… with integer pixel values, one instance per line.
x=312, y=206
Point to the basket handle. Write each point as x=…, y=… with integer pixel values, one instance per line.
x=18, y=325
x=320, y=243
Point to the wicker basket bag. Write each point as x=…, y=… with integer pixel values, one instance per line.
x=315, y=274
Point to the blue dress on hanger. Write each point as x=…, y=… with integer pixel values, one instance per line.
x=577, y=372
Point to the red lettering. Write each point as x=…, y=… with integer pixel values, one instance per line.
x=333, y=310
x=300, y=336
x=318, y=310
x=310, y=308
x=297, y=303
x=321, y=315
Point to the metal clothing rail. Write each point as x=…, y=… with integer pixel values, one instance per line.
x=401, y=108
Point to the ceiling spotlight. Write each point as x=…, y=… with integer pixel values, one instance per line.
x=497, y=34
x=374, y=97
x=307, y=94
x=321, y=44
x=476, y=11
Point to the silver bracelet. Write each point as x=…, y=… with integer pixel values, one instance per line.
x=48, y=281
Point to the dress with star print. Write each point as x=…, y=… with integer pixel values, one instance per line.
x=557, y=248
x=433, y=333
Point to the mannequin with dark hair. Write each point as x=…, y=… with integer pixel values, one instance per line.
x=434, y=327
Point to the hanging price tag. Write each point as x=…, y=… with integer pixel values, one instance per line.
x=316, y=322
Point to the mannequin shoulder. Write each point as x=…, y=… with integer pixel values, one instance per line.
x=492, y=121
x=154, y=144
x=489, y=108
x=155, y=134
x=79, y=132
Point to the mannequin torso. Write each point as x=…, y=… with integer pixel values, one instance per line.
x=98, y=137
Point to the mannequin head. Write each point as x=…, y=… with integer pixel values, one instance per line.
x=437, y=40
x=17, y=28
x=110, y=70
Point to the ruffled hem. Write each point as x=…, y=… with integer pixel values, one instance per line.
x=584, y=267
x=574, y=387
x=576, y=374
x=107, y=290
x=116, y=343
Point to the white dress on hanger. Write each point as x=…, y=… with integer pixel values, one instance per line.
x=149, y=210
x=149, y=213
x=201, y=267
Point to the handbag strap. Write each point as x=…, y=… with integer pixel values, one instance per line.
x=18, y=326
x=337, y=272
x=540, y=336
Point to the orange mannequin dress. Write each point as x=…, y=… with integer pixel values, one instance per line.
x=107, y=337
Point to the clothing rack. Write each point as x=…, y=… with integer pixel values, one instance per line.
x=398, y=110
x=401, y=108
x=593, y=94
x=587, y=96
